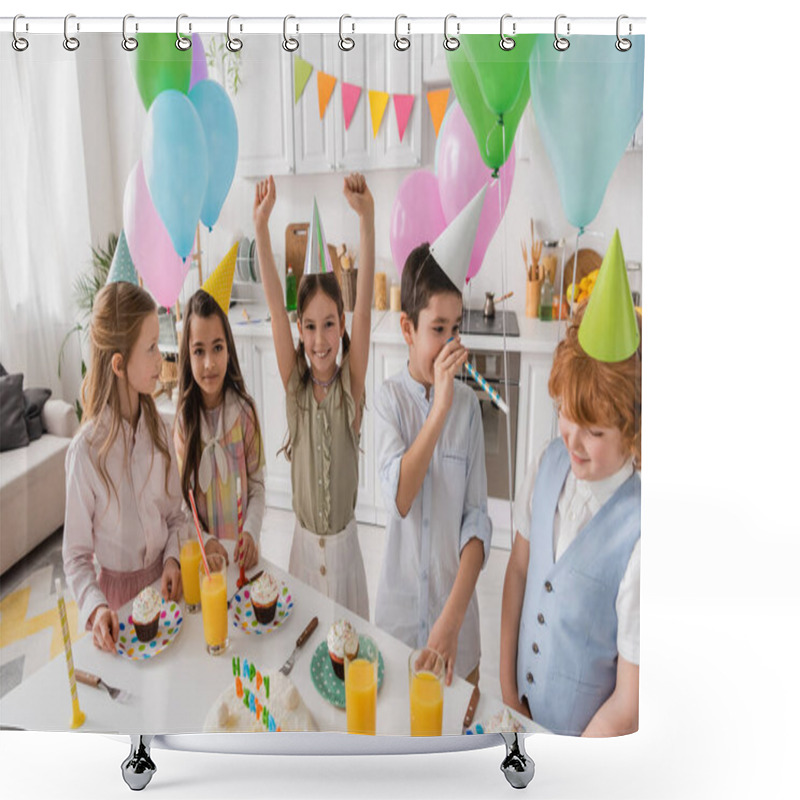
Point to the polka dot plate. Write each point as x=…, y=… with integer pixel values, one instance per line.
x=324, y=678
x=169, y=626
x=245, y=618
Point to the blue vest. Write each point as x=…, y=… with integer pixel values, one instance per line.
x=567, y=647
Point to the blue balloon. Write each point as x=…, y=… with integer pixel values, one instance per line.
x=587, y=101
x=222, y=138
x=175, y=162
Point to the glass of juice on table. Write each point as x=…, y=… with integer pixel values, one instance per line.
x=214, y=601
x=426, y=691
x=361, y=688
x=190, y=576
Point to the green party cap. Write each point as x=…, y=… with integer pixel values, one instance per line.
x=122, y=268
x=609, y=330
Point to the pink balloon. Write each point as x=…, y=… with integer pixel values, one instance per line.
x=162, y=269
x=199, y=63
x=417, y=215
x=461, y=173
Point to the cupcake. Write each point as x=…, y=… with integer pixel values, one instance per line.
x=264, y=597
x=342, y=643
x=145, y=613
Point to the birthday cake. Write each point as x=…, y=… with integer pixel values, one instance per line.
x=257, y=702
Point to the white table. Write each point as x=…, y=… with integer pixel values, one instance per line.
x=173, y=691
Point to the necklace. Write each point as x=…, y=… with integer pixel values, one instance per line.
x=325, y=385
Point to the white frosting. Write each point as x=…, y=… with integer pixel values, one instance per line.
x=286, y=706
x=146, y=605
x=503, y=721
x=264, y=590
x=342, y=638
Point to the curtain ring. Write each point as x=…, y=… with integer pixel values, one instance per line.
x=19, y=43
x=623, y=45
x=506, y=43
x=71, y=43
x=560, y=43
x=129, y=43
x=345, y=42
x=233, y=44
x=451, y=42
x=290, y=44
x=182, y=42
x=401, y=42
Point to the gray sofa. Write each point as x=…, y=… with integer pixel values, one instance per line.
x=32, y=485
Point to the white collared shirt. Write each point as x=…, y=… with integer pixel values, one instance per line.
x=579, y=501
x=423, y=549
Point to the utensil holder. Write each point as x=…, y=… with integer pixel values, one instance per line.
x=532, y=289
x=349, y=278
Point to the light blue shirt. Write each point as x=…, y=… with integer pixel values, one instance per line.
x=423, y=549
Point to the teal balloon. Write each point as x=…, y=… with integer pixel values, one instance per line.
x=493, y=134
x=175, y=162
x=501, y=74
x=122, y=268
x=587, y=101
x=218, y=119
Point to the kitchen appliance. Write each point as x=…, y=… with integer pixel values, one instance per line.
x=474, y=323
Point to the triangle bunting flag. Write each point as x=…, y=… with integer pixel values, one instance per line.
x=325, y=84
x=403, y=103
x=350, y=95
x=377, y=107
x=302, y=72
x=437, y=102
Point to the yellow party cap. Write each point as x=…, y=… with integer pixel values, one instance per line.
x=220, y=282
x=609, y=331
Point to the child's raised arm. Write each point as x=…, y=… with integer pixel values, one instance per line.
x=360, y=199
x=263, y=204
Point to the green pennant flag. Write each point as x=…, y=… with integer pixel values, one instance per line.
x=302, y=72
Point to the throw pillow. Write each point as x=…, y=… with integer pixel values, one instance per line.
x=34, y=403
x=13, y=430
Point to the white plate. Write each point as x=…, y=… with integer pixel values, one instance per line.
x=242, y=257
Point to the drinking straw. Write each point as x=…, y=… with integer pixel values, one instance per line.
x=199, y=535
x=78, y=717
x=490, y=390
x=242, y=579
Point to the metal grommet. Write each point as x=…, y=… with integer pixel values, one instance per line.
x=401, y=42
x=181, y=42
x=290, y=44
x=451, y=42
x=560, y=43
x=623, y=45
x=233, y=44
x=129, y=43
x=345, y=42
x=506, y=43
x=19, y=43
x=71, y=43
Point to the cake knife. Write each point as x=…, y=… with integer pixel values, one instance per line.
x=301, y=640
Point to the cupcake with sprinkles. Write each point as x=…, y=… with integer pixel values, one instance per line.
x=145, y=613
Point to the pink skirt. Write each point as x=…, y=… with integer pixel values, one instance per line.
x=120, y=587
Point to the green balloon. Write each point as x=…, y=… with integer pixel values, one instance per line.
x=500, y=73
x=494, y=134
x=159, y=65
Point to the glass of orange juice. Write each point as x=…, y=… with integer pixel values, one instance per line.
x=426, y=691
x=361, y=687
x=190, y=577
x=214, y=601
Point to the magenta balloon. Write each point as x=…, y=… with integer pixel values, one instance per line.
x=162, y=269
x=461, y=174
x=199, y=63
x=417, y=215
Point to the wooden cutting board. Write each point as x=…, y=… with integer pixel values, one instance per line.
x=296, y=241
x=588, y=260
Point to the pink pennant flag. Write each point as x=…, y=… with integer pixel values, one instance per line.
x=403, y=103
x=350, y=95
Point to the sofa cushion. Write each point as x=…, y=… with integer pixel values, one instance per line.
x=34, y=403
x=13, y=430
x=2, y=371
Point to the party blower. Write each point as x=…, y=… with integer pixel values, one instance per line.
x=273, y=664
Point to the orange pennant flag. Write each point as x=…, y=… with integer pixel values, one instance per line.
x=325, y=84
x=437, y=102
x=377, y=105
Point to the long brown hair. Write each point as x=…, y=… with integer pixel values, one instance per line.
x=190, y=396
x=328, y=284
x=118, y=312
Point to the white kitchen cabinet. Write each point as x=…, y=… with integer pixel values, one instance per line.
x=266, y=131
x=434, y=59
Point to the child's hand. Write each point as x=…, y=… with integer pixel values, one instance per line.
x=451, y=358
x=171, y=580
x=249, y=553
x=215, y=546
x=263, y=204
x=444, y=640
x=105, y=629
x=358, y=195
